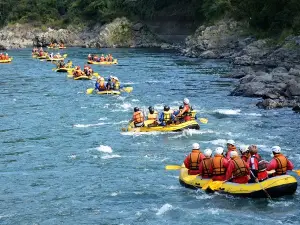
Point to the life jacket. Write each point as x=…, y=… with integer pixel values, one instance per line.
x=217, y=165
x=282, y=163
x=110, y=59
x=167, y=116
x=240, y=168
x=188, y=112
x=206, y=163
x=195, y=159
x=138, y=117
x=102, y=85
x=245, y=158
x=117, y=85
x=7, y=57
x=193, y=114
x=152, y=116
x=101, y=59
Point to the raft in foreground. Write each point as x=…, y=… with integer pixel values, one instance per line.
x=6, y=60
x=276, y=186
x=169, y=128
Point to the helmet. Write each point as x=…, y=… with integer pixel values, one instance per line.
x=253, y=149
x=151, y=109
x=207, y=152
x=231, y=142
x=219, y=150
x=181, y=107
x=276, y=149
x=166, y=108
x=186, y=101
x=196, y=146
x=233, y=154
x=136, y=109
x=244, y=148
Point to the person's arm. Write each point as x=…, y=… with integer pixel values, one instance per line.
x=272, y=165
x=229, y=171
x=290, y=165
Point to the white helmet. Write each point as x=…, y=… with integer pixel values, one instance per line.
x=196, y=146
x=207, y=152
x=186, y=101
x=231, y=142
x=244, y=148
x=233, y=154
x=276, y=149
x=219, y=150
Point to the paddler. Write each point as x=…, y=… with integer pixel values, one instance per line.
x=69, y=64
x=137, y=118
x=166, y=117
x=100, y=84
x=186, y=111
x=279, y=163
x=90, y=57
x=179, y=119
x=61, y=64
x=109, y=84
x=6, y=56
x=116, y=83
x=257, y=165
x=193, y=160
x=230, y=147
x=205, y=170
x=219, y=165
x=110, y=58
x=102, y=58
x=245, y=153
x=238, y=171
x=152, y=116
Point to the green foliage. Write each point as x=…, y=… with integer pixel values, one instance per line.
x=264, y=16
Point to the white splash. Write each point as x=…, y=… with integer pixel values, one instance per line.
x=83, y=107
x=103, y=118
x=110, y=156
x=104, y=148
x=218, y=142
x=73, y=156
x=135, y=100
x=253, y=114
x=228, y=111
x=88, y=125
x=114, y=194
x=163, y=209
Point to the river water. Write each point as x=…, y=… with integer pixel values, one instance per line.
x=64, y=159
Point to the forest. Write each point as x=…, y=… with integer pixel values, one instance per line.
x=270, y=17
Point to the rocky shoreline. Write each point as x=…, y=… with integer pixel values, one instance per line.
x=264, y=69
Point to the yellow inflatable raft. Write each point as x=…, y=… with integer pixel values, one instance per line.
x=63, y=70
x=6, y=60
x=103, y=63
x=55, y=59
x=83, y=77
x=169, y=128
x=111, y=92
x=276, y=186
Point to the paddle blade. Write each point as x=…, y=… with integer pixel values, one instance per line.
x=65, y=55
x=203, y=120
x=70, y=72
x=216, y=185
x=205, y=186
x=128, y=89
x=89, y=91
x=173, y=167
x=96, y=75
x=297, y=171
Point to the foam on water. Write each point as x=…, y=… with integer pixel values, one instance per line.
x=104, y=148
x=103, y=118
x=228, y=111
x=252, y=114
x=221, y=142
x=110, y=156
x=88, y=125
x=165, y=208
x=135, y=100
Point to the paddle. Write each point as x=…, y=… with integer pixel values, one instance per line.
x=127, y=89
x=89, y=91
x=203, y=120
x=267, y=194
x=205, y=186
x=173, y=167
x=297, y=171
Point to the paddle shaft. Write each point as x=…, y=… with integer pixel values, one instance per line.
x=261, y=186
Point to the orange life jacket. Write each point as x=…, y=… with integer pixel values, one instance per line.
x=7, y=57
x=138, y=117
x=282, y=163
x=195, y=159
x=240, y=168
x=102, y=84
x=206, y=163
x=217, y=165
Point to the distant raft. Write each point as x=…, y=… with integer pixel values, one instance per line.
x=83, y=77
x=276, y=186
x=192, y=124
x=103, y=63
x=110, y=92
x=63, y=70
x=6, y=60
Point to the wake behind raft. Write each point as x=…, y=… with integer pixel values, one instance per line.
x=276, y=186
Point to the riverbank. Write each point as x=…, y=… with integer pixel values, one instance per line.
x=119, y=33
x=264, y=69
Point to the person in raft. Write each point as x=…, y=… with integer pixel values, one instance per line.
x=166, y=117
x=100, y=84
x=186, y=111
x=137, y=118
x=279, y=163
x=205, y=166
x=193, y=160
x=257, y=166
x=237, y=171
x=245, y=153
x=219, y=165
x=152, y=116
x=230, y=147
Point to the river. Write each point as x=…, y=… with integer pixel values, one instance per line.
x=64, y=159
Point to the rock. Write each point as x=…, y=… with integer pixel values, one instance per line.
x=2, y=47
x=279, y=70
x=296, y=108
x=137, y=26
x=208, y=55
x=252, y=89
x=293, y=88
x=294, y=71
x=269, y=104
